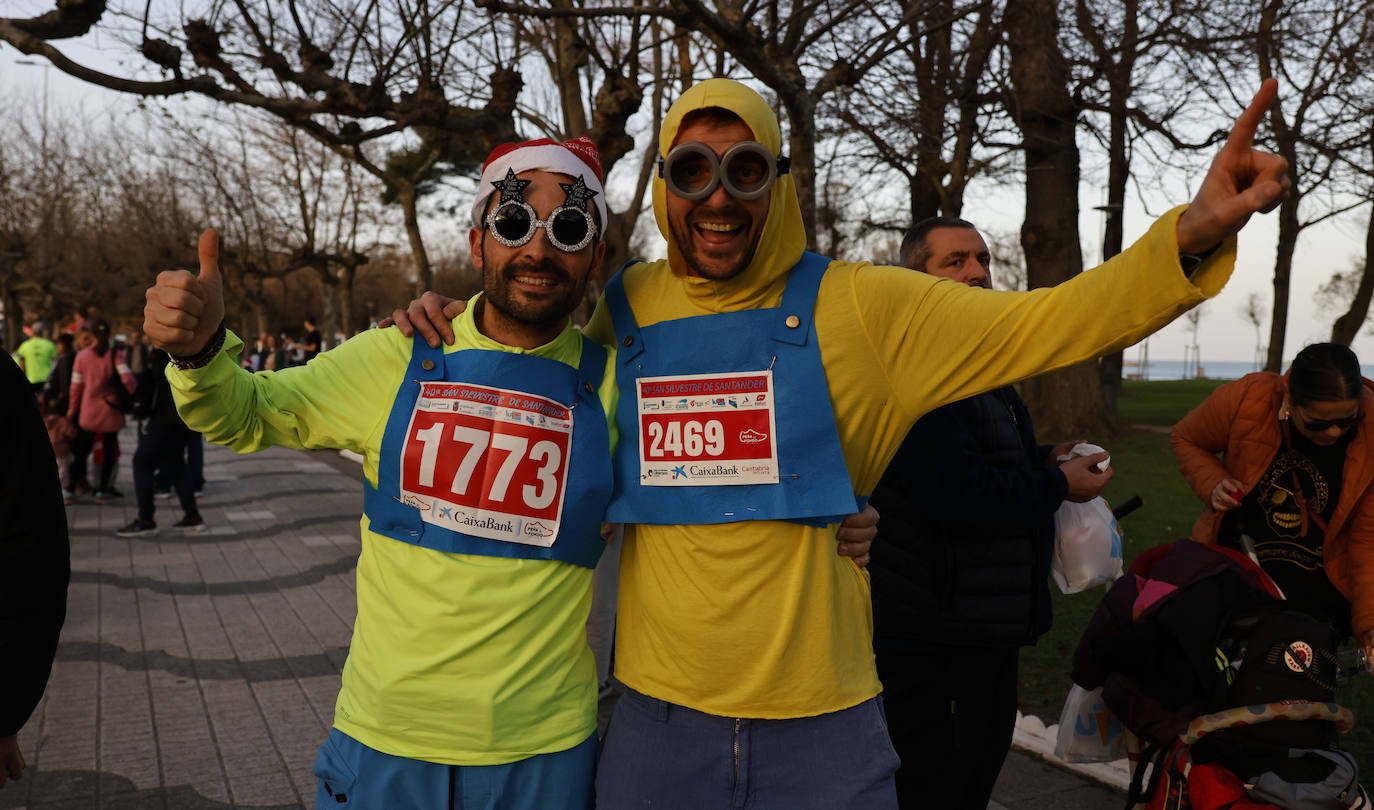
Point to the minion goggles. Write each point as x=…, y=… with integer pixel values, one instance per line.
x=747, y=170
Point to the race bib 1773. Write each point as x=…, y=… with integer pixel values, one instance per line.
x=707, y=430
x=487, y=462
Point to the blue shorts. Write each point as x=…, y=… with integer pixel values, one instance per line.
x=669, y=757
x=351, y=775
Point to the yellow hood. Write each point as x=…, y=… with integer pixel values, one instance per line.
x=783, y=238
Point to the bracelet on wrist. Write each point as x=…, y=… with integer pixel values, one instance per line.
x=204, y=356
x=1190, y=261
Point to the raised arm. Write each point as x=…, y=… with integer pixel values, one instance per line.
x=334, y=401
x=1241, y=181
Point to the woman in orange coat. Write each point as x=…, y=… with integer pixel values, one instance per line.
x=1296, y=475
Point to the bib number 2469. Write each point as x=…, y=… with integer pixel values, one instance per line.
x=690, y=438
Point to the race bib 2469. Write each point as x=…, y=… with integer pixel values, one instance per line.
x=707, y=430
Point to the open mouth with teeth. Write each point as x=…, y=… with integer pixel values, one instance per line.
x=718, y=233
x=537, y=281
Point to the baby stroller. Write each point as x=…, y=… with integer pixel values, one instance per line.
x=1226, y=688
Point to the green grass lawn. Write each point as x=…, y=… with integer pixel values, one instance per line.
x=1145, y=466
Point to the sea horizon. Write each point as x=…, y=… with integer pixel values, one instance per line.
x=1210, y=369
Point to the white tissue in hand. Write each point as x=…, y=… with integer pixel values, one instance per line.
x=1086, y=449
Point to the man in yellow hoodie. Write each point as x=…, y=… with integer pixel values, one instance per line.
x=763, y=390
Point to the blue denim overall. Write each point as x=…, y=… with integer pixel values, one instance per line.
x=813, y=483
x=588, y=481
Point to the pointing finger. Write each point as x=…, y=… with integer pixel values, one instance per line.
x=1243, y=133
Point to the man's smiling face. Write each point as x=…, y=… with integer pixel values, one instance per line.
x=533, y=288
x=716, y=236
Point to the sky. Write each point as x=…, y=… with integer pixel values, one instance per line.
x=1223, y=334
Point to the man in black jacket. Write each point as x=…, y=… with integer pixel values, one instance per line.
x=162, y=441
x=960, y=564
x=35, y=562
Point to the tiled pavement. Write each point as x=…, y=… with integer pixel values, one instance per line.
x=198, y=672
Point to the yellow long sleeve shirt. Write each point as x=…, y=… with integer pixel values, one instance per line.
x=763, y=619
x=459, y=659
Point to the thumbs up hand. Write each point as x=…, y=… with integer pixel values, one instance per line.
x=184, y=309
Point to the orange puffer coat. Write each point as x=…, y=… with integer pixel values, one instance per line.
x=1240, y=420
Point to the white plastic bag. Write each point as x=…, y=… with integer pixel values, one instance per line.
x=1088, y=730
x=1087, y=546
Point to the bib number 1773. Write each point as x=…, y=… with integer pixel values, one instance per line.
x=487, y=462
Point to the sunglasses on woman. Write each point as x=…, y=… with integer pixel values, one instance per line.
x=1320, y=425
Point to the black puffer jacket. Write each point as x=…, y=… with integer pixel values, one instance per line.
x=967, y=530
x=35, y=557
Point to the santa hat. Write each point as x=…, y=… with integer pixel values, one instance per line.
x=575, y=158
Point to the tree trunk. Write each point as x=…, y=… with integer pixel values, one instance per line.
x=1118, y=173
x=1348, y=325
x=1066, y=403
x=14, y=314
x=343, y=292
x=1283, y=272
x=424, y=274
x=931, y=69
x=259, y=310
x=570, y=54
x=801, y=140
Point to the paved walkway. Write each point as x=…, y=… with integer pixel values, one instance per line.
x=199, y=672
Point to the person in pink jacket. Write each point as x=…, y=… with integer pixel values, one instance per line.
x=97, y=370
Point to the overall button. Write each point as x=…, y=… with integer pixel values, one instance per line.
x=793, y=321
x=427, y=365
x=628, y=340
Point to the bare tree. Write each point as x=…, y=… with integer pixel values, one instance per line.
x=352, y=77
x=1253, y=311
x=1315, y=47
x=1193, y=318
x=284, y=203
x=1067, y=402
x=923, y=112
x=801, y=53
x=1347, y=326
x=77, y=230
x=1120, y=44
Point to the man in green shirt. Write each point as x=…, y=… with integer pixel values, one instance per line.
x=487, y=475
x=36, y=355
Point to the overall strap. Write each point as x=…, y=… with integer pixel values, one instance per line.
x=426, y=363
x=622, y=317
x=798, y=307
x=380, y=503
x=591, y=367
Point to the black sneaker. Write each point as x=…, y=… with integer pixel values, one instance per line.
x=191, y=524
x=138, y=528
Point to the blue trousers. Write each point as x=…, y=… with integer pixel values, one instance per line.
x=664, y=756
x=352, y=776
